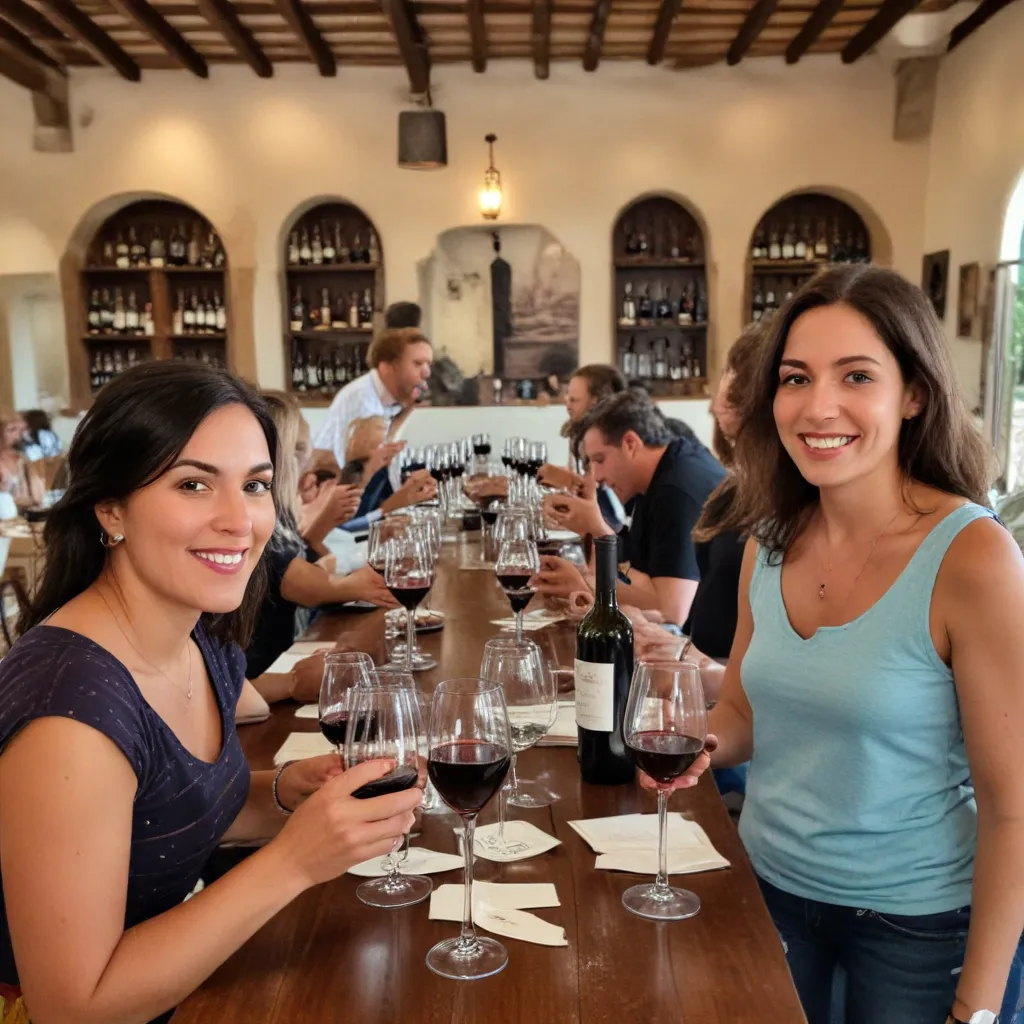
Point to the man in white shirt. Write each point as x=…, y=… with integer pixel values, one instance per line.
x=400, y=360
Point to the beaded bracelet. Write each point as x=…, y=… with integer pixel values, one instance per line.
x=273, y=788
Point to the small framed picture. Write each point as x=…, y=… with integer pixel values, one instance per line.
x=968, y=307
x=934, y=280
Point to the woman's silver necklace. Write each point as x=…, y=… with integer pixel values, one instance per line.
x=188, y=647
x=824, y=583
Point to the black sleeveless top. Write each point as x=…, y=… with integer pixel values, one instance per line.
x=183, y=805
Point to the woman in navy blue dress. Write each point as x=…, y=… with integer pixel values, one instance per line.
x=120, y=768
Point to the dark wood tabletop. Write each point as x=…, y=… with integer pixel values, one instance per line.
x=328, y=959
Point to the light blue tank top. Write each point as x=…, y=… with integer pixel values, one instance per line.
x=859, y=792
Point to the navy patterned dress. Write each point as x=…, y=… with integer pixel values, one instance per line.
x=183, y=805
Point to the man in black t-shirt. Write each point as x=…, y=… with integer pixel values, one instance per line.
x=635, y=452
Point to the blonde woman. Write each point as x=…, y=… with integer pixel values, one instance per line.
x=17, y=475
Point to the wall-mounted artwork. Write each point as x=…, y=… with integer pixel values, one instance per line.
x=968, y=307
x=935, y=279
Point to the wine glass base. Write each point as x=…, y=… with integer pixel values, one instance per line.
x=420, y=662
x=405, y=891
x=530, y=794
x=467, y=960
x=661, y=904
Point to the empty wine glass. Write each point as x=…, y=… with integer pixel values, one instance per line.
x=517, y=562
x=409, y=575
x=530, y=697
x=470, y=752
x=343, y=670
x=386, y=725
x=665, y=728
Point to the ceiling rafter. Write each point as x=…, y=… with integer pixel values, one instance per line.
x=751, y=28
x=412, y=44
x=595, y=38
x=302, y=24
x=14, y=41
x=540, y=38
x=222, y=16
x=881, y=22
x=662, y=27
x=477, y=33
x=975, y=20
x=161, y=31
x=819, y=20
x=100, y=45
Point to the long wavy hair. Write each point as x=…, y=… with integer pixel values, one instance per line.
x=940, y=447
x=134, y=432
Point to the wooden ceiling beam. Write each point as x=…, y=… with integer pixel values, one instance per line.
x=27, y=73
x=304, y=27
x=662, y=27
x=540, y=38
x=222, y=16
x=820, y=19
x=975, y=20
x=477, y=33
x=595, y=38
x=81, y=27
x=17, y=42
x=751, y=28
x=884, y=19
x=30, y=21
x=412, y=44
x=161, y=31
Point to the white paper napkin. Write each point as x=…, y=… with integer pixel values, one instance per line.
x=303, y=744
x=419, y=862
x=563, y=733
x=524, y=841
x=308, y=711
x=303, y=649
x=500, y=908
x=532, y=620
x=629, y=842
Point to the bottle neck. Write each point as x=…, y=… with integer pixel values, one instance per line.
x=606, y=566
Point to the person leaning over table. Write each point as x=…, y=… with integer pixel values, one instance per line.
x=120, y=767
x=876, y=683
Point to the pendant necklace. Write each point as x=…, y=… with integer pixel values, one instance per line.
x=824, y=583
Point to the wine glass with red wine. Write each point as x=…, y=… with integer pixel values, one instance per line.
x=517, y=562
x=665, y=727
x=409, y=575
x=343, y=670
x=381, y=531
x=470, y=753
x=386, y=725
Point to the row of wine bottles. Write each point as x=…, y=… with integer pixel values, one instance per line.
x=643, y=310
x=327, y=372
x=199, y=314
x=664, y=241
x=112, y=313
x=200, y=249
x=790, y=243
x=769, y=295
x=659, y=359
x=327, y=245
x=327, y=315
x=108, y=362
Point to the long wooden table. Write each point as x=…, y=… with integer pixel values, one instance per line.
x=328, y=959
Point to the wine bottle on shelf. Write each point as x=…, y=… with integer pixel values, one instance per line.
x=314, y=316
x=221, y=313
x=353, y=310
x=771, y=304
x=821, y=241
x=328, y=369
x=686, y=304
x=298, y=320
x=131, y=314
x=211, y=314
x=674, y=250
x=120, y=321
x=700, y=309
x=178, y=316
x=627, y=317
x=632, y=243
x=604, y=667
x=189, y=317
x=775, y=246
x=305, y=252
x=325, y=309
x=836, y=252
x=148, y=325
x=366, y=311
x=298, y=369
x=629, y=360
x=644, y=308
x=219, y=259
x=132, y=358
x=194, y=250
x=660, y=360
x=312, y=381
x=675, y=366
x=330, y=253
x=663, y=307
x=177, y=247
x=339, y=369
x=293, y=249
x=341, y=244
x=757, y=249
x=118, y=361
x=373, y=251
x=357, y=250
x=861, y=251
x=108, y=366
x=106, y=312
x=136, y=250
x=803, y=242
x=789, y=242
x=643, y=248
x=108, y=259
x=209, y=247
x=93, y=316
x=316, y=249
x=339, y=318
x=121, y=258
x=686, y=369
x=851, y=253
x=96, y=372
x=157, y=249
x=643, y=364
x=757, y=306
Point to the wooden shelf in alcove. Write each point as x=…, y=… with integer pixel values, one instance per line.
x=624, y=263
x=351, y=334
x=313, y=401
x=666, y=326
x=199, y=337
x=113, y=338
x=332, y=268
x=191, y=270
x=789, y=267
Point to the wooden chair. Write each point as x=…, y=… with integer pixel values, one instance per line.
x=10, y=588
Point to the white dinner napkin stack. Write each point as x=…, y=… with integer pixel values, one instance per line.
x=501, y=908
x=522, y=840
x=630, y=843
x=303, y=649
x=300, y=745
x=532, y=620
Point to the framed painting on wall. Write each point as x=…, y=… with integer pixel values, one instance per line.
x=968, y=312
x=934, y=280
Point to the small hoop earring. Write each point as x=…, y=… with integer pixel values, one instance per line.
x=109, y=541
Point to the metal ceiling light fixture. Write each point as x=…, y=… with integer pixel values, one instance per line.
x=422, y=139
x=490, y=194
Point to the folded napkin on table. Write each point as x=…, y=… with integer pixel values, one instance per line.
x=525, y=841
x=629, y=842
x=420, y=861
x=499, y=908
x=532, y=620
x=303, y=649
x=303, y=744
x=308, y=711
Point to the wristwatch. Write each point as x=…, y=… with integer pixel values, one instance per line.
x=979, y=1017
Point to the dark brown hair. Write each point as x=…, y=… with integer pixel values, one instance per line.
x=136, y=428
x=741, y=361
x=403, y=314
x=602, y=380
x=628, y=410
x=939, y=447
x=391, y=343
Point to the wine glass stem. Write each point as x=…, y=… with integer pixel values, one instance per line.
x=661, y=882
x=519, y=626
x=468, y=933
x=502, y=810
x=410, y=635
x=514, y=782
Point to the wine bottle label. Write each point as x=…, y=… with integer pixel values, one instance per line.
x=595, y=696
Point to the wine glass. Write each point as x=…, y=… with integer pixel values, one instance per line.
x=381, y=531
x=517, y=562
x=530, y=697
x=665, y=727
x=470, y=751
x=343, y=670
x=409, y=575
x=386, y=724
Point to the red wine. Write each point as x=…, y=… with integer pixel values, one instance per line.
x=664, y=755
x=516, y=590
x=604, y=667
x=506, y=461
x=490, y=515
x=409, y=595
x=437, y=473
x=334, y=726
x=468, y=773
x=403, y=777
x=481, y=449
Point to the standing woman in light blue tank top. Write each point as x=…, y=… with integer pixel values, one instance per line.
x=876, y=683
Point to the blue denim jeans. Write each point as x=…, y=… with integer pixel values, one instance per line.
x=897, y=969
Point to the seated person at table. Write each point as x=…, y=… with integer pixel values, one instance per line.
x=120, y=768
x=18, y=477
x=39, y=440
x=632, y=450
x=293, y=582
x=403, y=314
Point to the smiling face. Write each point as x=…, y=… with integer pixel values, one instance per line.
x=841, y=399
x=194, y=535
